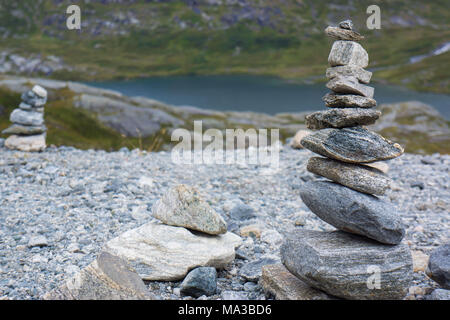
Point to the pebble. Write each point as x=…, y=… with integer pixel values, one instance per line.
x=200, y=281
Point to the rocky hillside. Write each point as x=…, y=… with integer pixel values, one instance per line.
x=134, y=38
x=86, y=117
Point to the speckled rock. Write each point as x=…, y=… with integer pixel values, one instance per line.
x=24, y=130
x=107, y=278
x=343, y=34
x=341, y=118
x=182, y=206
x=161, y=252
x=283, y=285
x=358, y=177
x=348, y=101
x=353, y=145
x=348, y=52
x=353, y=211
x=349, y=71
x=350, y=85
x=347, y=266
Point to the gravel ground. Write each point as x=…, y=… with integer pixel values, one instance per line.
x=58, y=208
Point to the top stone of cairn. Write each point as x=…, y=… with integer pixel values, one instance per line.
x=39, y=91
x=344, y=32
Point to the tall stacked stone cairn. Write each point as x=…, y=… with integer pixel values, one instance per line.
x=364, y=258
x=28, y=130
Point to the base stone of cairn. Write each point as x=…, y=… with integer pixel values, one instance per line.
x=365, y=258
x=28, y=131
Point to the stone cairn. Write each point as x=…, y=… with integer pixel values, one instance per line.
x=365, y=258
x=28, y=131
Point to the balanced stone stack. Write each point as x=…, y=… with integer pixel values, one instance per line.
x=28, y=131
x=365, y=258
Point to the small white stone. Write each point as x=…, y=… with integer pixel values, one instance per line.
x=41, y=92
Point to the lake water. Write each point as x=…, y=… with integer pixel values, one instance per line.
x=254, y=93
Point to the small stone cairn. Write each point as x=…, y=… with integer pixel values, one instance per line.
x=365, y=258
x=28, y=131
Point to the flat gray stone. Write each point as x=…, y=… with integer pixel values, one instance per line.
x=349, y=71
x=439, y=265
x=28, y=118
x=341, y=118
x=24, y=130
x=350, y=85
x=26, y=143
x=352, y=145
x=357, y=177
x=25, y=106
x=348, y=266
x=283, y=285
x=348, y=101
x=353, y=211
x=348, y=52
x=343, y=34
x=182, y=206
x=107, y=278
x=166, y=253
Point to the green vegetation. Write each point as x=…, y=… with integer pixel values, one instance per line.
x=79, y=128
x=175, y=38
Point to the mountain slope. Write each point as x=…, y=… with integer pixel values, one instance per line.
x=134, y=38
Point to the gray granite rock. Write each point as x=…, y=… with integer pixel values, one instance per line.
x=358, y=177
x=347, y=265
x=341, y=118
x=28, y=118
x=348, y=52
x=348, y=101
x=200, y=281
x=353, y=145
x=107, y=278
x=353, y=211
x=343, y=34
x=359, y=73
x=439, y=265
x=24, y=130
x=350, y=85
x=182, y=206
